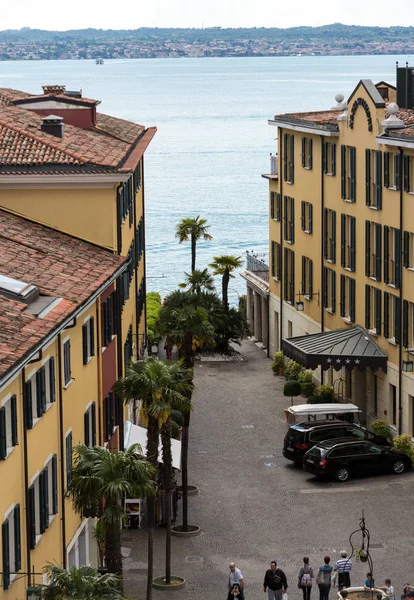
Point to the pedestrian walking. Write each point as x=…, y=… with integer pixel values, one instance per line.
x=324, y=579
x=305, y=578
x=275, y=583
x=343, y=566
x=235, y=577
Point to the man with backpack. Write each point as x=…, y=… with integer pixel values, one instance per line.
x=305, y=579
x=275, y=583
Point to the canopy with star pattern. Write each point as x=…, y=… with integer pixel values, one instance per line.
x=350, y=348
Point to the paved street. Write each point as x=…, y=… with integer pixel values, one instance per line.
x=254, y=506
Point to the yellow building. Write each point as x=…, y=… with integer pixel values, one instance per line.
x=341, y=232
x=72, y=312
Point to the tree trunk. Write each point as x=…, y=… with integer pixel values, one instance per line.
x=225, y=288
x=193, y=253
x=167, y=477
x=152, y=457
x=113, y=556
x=184, y=467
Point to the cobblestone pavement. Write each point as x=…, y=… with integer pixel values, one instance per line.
x=254, y=506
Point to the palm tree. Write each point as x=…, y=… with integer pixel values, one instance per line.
x=224, y=265
x=104, y=478
x=188, y=328
x=85, y=583
x=193, y=229
x=159, y=385
x=197, y=281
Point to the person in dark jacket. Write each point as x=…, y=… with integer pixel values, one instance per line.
x=274, y=583
x=235, y=593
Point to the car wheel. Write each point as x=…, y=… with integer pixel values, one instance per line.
x=342, y=475
x=398, y=467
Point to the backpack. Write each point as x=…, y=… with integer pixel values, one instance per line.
x=306, y=580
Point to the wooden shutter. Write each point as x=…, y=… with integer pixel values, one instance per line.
x=85, y=343
x=303, y=152
x=397, y=167
x=310, y=216
x=386, y=315
x=352, y=302
x=310, y=153
x=333, y=290
x=292, y=276
x=353, y=243
x=325, y=232
x=342, y=296
x=386, y=254
x=333, y=158
x=278, y=206
x=272, y=205
x=17, y=539
x=378, y=179
x=28, y=404
x=405, y=324
x=5, y=538
x=86, y=428
x=343, y=171
x=325, y=287
x=39, y=410
x=378, y=313
x=397, y=239
x=93, y=419
x=273, y=266
x=406, y=250
x=386, y=169
x=32, y=517
x=285, y=217
x=68, y=459
x=343, y=240
x=333, y=238
x=92, y=336
x=279, y=260
x=302, y=215
x=285, y=157
x=3, y=434
x=397, y=319
x=52, y=380
x=292, y=159
x=325, y=156
x=367, y=306
x=292, y=220
x=310, y=277
x=54, y=485
x=46, y=496
x=115, y=311
x=378, y=251
x=406, y=173
x=368, y=177
x=13, y=414
x=303, y=275
x=352, y=160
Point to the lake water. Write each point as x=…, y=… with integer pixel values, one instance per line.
x=213, y=140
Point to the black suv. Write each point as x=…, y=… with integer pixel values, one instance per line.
x=302, y=437
x=341, y=459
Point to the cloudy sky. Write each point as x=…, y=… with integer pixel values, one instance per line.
x=131, y=14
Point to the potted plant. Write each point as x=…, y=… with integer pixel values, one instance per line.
x=362, y=555
x=307, y=383
x=293, y=371
x=326, y=392
x=291, y=388
x=278, y=364
x=380, y=427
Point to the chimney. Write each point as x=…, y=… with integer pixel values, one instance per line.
x=53, y=125
x=54, y=89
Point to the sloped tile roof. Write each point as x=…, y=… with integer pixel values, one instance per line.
x=61, y=266
x=324, y=118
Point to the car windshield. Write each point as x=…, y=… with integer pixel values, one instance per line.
x=295, y=434
x=317, y=452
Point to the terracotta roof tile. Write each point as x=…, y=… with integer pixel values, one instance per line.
x=61, y=266
x=323, y=117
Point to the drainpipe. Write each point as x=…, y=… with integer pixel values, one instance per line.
x=281, y=171
x=62, y=451
x=26, y=478
x=144, y=254
x=323, y=233
x=136, y=274
x=400, y=408
x=99, y=368
x=119, y=410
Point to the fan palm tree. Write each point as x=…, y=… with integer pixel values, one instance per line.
x=188, y=328
x=193, y=229
x=101, y=477
x=85, y=583
x=159, y=385
x=197, y=281
x=224, y=265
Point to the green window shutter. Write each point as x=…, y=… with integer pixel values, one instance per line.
x=310, y=277
x=303, y=152
x=85, y=343
x=17, y=539
x=39, y=408
x=406, y=173
x=333, y=290
x=115, y=310
x=310, y=153
x=92, y=336
x=3, y=434
x=68, y=459
x=292, y=277
x=406, y=251
x=378, y=179
x=279, y=261
x=32, y=517
x=273, y=258
x=303, y=275
x=28, y=404
x=43, y=387
x=52, y=380
x=285, y=157
x=343, y=171
x=310, y=224
x=367, y=307
x=46, y=496
x=378, y=251
x=325, y=287
x=93, y=418
x=278, y=206
x=302, y=215
x=397, y=319
x=285, y=217
x=333, y=159
x=292, y=159
x=42, y=524
x=352, y=160
x=397, y=239
x=386, y=315
x=397, y=166
x=54, y=485
x=343, y=239
x=405, y=324
x=13, y=414
x=353, y=243
x=378, y=314
x=342, y=296
x=272, y=205
x=285, y=275
x=333, y=240
x=325, y=232
x=368, y=177
x=292, y=220
x=5, y=539
x=352, y=303
x=386, y=254
x=86, y=428
x=386, y=169
x=325, y=156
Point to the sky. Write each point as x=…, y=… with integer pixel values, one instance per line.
x=132, y=14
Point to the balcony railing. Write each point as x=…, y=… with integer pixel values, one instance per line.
x=257, y=262
x=274, y=164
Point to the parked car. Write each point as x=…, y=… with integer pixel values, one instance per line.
x=341, y=458
x=302, y=437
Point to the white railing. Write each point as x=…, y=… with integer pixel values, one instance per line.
x=274, y=164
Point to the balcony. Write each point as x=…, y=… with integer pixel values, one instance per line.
x=274, y=168
x=256, y=266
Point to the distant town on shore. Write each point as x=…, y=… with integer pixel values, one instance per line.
x=145, y=42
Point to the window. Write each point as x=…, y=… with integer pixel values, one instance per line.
x=306, y=217
x=43, y=501
x=373, y=252
x=408, y=174
x=88, y=340
x=139, y=240
x=392, y=170
x=307, y=277
x=8, y=426
x=276, y=258
x=90, y=425
x=68, y=443
x=289, y=275
x=11, y=546
x=128, y=347
x=289, y=219
x=408, y=253
x=348, y=173
x=141, y=301
x=373, y=314
x=347, y=298
x=108, y=320
x=348, y=242
x=288, y=157
x=307, y=153
x=66, y=363
x=275, y=206
x=392, y=318
x=78, y=555
x=392, y=256
x=393, y=402
x=40, y=392
x=108, y=409
x=329, y=158
x=373, y=178
x=408, y=325
x=329, y=234
x=329, y=289
x=125, y=201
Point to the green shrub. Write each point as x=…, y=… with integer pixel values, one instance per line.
x=380, y=427
x=153, y=301
x=315, y=400
x=177, y=417
x=278, y=362
x=175, y=430
x=403, y=442
x=326, y=392
x=291, y=388
x=243, y=305
x=307, y=383
x=293, y=370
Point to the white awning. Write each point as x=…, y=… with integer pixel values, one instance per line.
x=134, y=434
